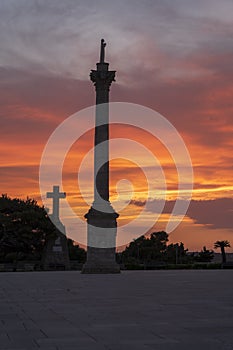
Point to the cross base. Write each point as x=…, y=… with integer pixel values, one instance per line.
x=56, y=255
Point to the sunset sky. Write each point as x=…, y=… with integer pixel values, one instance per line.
x=173, y=56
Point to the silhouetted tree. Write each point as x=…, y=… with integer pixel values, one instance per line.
x=154, y=250
x=205, y=255
x=75, y=252
x=144, y=250
x=177, y=254
x=24, y=228
x=222, y=245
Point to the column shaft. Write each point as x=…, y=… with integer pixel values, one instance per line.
x=101, y=154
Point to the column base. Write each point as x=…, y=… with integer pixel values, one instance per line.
x=89, y=268
x=101, y=260
x=101, y=250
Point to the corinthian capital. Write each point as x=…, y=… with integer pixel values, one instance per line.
x=102, y=79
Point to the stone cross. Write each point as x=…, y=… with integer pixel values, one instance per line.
x=56, y=195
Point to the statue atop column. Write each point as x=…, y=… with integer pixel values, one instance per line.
x=102, y=51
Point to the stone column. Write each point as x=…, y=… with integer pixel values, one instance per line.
x=101, y=218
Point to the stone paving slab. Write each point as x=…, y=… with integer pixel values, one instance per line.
x=138, y=310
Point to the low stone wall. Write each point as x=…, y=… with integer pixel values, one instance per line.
x=20, y=266
x=23, y=266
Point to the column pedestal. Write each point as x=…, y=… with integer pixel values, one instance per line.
x=101, y=252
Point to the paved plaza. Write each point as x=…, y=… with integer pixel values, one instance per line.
x=138, y=310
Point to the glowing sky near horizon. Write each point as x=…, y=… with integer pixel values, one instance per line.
x=172, y=56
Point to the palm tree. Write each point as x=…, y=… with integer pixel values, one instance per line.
x=222, y=245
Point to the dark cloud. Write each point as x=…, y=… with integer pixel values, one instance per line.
x=51, y=93
x=217, y=213
x=137, y=203
x=155, y=34
x=32, y=105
